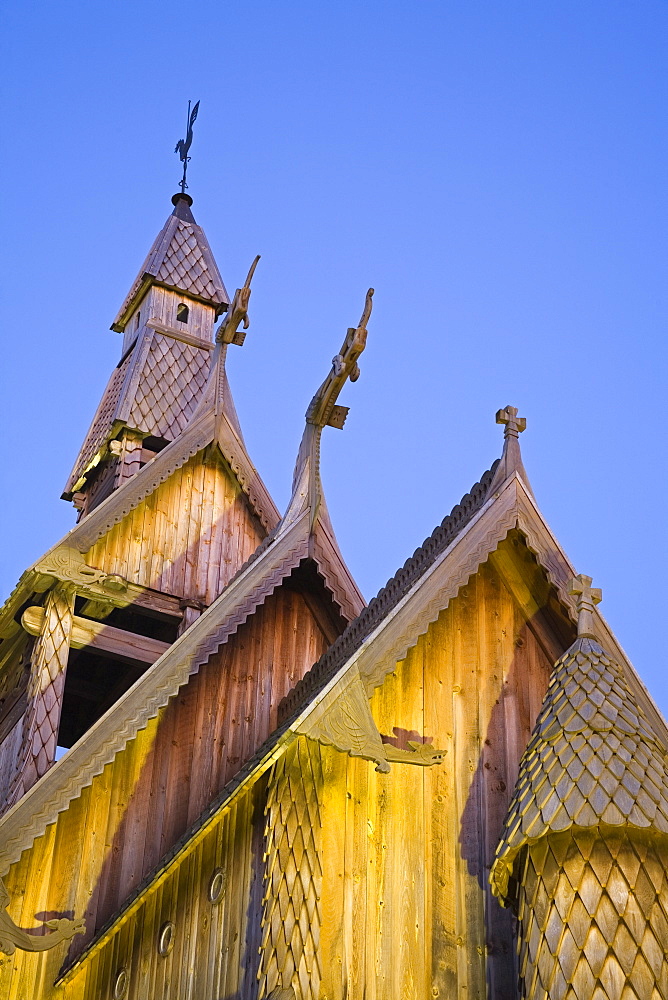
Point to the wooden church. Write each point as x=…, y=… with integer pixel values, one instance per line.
x=266, y=788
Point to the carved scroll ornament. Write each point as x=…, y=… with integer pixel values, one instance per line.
x=13, y=937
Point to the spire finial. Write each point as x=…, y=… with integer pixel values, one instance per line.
x=514, y=424
x=587, y=598
x=183, y=145
x=511, y=460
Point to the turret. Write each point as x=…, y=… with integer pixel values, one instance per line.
x=167, y=321
x=583, y=858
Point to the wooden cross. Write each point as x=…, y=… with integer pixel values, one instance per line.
x=587, y=597
x=514, y=424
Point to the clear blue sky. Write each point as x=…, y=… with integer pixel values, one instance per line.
x=496, y=170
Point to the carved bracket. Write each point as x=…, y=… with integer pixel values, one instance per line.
x=68, y=565
x=13, y=937
x=345, y=722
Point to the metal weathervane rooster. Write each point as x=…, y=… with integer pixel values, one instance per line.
x=183, y=145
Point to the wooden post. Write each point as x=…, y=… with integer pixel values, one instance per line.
x=45, y=689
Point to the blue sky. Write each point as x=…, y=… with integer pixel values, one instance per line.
x=496, y=170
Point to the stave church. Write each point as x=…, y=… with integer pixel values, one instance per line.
x=224, y=776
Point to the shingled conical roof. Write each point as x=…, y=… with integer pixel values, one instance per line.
x=594, y=758
x=180, y=258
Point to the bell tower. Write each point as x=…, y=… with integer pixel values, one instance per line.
x=167, y=321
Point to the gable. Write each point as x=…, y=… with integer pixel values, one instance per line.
x=472, y=685
x=188, y=537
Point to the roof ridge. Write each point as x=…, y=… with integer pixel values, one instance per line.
x=390, y=595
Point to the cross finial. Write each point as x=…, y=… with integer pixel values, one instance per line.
x=514, y=424
x=587, y=598
x=511, y=460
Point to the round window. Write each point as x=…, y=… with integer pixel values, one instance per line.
x=217, y=885
x=166, y=938
x=120, y=984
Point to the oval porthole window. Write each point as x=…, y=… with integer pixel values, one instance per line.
x=217, y=885
x=166, y=939
x=120, y=984
x=182, y=312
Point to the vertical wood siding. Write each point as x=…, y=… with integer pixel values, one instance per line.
x=407, y=910
x=188, y=538
x=120, y=828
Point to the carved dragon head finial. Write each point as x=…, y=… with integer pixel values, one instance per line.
x=323, y=411
x=587, y=598
x=13, y=937
x=228, y=331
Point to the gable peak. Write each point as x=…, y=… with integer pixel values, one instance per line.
x=511, y=459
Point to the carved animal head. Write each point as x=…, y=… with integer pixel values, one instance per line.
x=67, y=928
x=425, y=751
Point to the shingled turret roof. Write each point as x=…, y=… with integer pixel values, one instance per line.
x=594, y=758
x=180, y=258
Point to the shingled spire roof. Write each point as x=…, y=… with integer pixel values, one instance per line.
x=158, y=382
x=594, y=758
x=180, y=258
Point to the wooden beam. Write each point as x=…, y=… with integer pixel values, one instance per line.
x=152, y=602
x=185, y=338
x=105, y=638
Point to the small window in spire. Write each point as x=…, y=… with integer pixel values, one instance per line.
x=182, y=312
x=137, y=322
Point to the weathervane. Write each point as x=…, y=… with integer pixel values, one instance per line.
x=183, y=145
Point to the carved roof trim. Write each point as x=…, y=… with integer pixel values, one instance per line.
x=394, y=591
x=338, y=579
x=191, y=441
x=274, y=559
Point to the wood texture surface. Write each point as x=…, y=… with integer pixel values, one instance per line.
x=188, y=538
x=408, y=854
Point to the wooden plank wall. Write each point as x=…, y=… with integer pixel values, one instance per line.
x=215, y=952
x=103, y=845
x=59, y=875
x=406, y=908
x=188, y=538
x=206, y=733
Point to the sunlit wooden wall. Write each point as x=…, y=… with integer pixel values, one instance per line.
x=405, y=910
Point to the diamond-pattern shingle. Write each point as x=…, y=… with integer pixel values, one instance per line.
x=293, y=874
x=183, y=265
x=102, y=421
x=618, y=775
x=180, y=258
x=593, y=917
x=169, y=387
